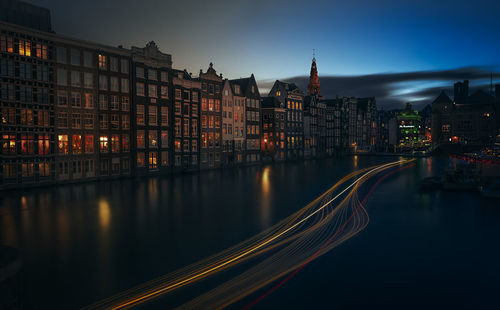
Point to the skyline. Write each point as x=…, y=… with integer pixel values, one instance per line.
x=355, y=40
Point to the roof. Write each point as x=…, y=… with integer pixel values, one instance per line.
x=271, y=102
x=244, y=84
x=442, y=98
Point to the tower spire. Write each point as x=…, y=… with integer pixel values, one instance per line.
x=313, y=89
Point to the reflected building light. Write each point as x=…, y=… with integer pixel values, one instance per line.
x=355, y=161
x=24, y=202
x=104, y=213
x=265, y=205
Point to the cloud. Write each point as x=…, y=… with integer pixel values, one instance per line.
x=393, y=90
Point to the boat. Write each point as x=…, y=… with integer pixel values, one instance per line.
x=493, y=190
x=462, y=178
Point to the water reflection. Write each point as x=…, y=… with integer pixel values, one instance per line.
x=109, y=236
x=265, y=209
x=104, y=214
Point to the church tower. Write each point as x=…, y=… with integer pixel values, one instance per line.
x=313, y=88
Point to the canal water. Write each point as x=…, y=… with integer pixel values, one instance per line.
x=84, y=242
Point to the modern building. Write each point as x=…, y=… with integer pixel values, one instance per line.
x=410, y=129
x=26, y=106
x=246, y=88
x=293, y=99
x=211, y=118
x=152, y=110
x=273, y=129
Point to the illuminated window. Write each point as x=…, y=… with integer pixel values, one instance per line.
x=27, y=170
x=153, y=139
x=89, y=144
x=140, y=139
x=278, y=93
x=140, y=159
x=102, y=62
x=88, y=101
x=44, y=169
x=115, y=143
x=164, y=139
x=153, y=115
x=153, y=160
x=186, y=127
x=43, y=144
x=177, y=127
x=125, y=143
x=177, y=145
x=203, y=104
x=62, y=144
x=9, y=144
x=77, y=144
x=103, y=144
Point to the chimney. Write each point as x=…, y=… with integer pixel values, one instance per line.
x=461, y=91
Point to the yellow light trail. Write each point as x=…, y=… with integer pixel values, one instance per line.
x=249, y=248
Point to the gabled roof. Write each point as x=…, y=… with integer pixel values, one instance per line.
x=480, y=97
x=442, y=98
x=245, y=84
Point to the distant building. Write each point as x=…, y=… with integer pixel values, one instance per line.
x=211, y=118
x=293, y=100
x=410, y=129
x=246, y=88
x=152, y=108
x=335, y=126
x=186, y=121
x=273, y=129
x=314, y=127
x=384, y=141
x=469, y=121
x=27, y=136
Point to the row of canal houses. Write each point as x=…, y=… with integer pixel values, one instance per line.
x=73, y=110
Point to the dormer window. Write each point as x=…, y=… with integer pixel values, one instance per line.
x=253, y=89
x=236, y=89
x=278, y=93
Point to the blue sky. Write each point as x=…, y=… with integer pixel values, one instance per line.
x=274, y=39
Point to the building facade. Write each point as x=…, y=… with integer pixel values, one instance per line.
x=246, y=89
x=26, y=106
x=273, y=130
x=469, y=121
x=152, y=110
x=186, y=119
x=211, y=118
x=293, y=99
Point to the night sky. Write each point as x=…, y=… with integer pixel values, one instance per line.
x=398, y=51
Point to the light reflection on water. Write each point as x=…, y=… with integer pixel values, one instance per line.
x=109, y=236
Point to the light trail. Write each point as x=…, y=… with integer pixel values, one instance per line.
x=253, y=303
x=323, y=218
